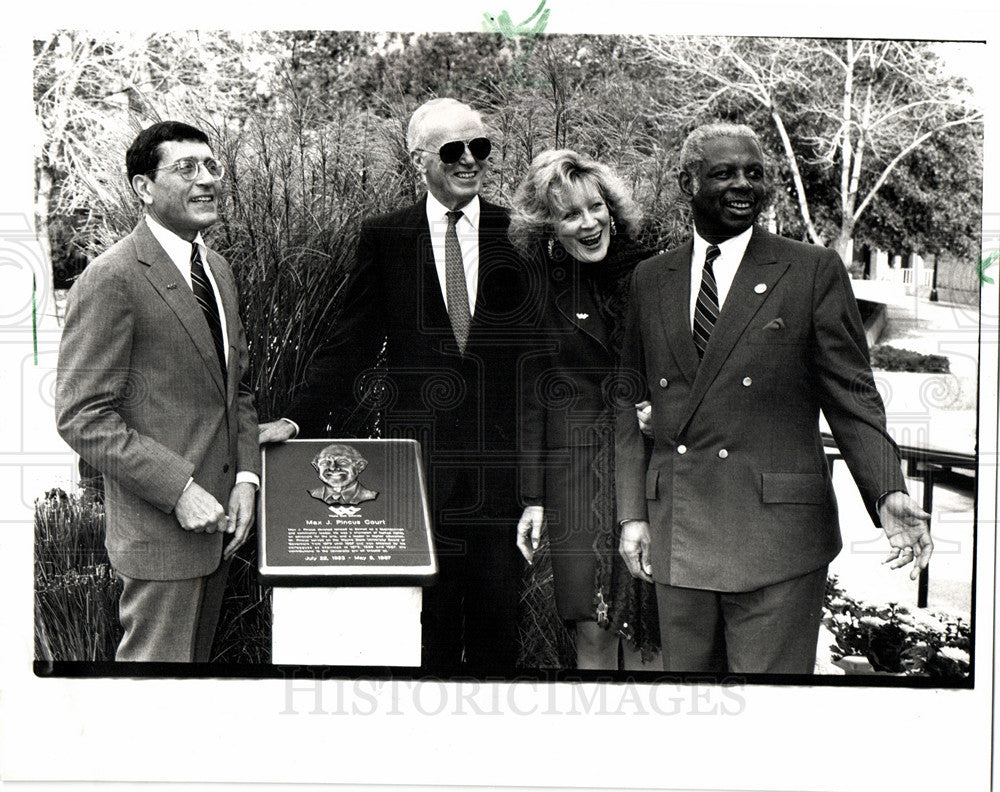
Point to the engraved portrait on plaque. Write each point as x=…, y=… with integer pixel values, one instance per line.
x=338, y=466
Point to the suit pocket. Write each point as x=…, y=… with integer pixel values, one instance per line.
x=652, y=480
x=793, y=488
x=772, y=335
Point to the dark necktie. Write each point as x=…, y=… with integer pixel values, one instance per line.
x=706, y=309
x=206, y=299
x=456, y=289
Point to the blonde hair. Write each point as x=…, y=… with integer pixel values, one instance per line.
x=551, y=173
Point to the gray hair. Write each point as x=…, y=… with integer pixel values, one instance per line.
x=693, y=150
x=549, y=174
x=417, y=129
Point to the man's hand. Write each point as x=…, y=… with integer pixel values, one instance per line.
x=634, y=548
x=240, y=518
x=198, y=511
x=644, y=414
x=529, y=531
x=906, y=526
x=275, y=432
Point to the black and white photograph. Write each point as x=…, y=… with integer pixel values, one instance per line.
x=471, y=378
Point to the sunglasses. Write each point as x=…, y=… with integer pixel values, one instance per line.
x=452, y=152
x=188, y=167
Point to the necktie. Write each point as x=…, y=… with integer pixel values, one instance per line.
x=206, y=299
x=706, y=309
x=456, y=289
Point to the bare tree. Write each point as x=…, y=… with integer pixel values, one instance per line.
x=93, y=91
x=853, y=109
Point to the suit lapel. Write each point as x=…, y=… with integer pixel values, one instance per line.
x=161, y=272
x=567, y=302
x=754, y=283
x=415, y=246
x=492, y=229
x=230, y=307
x=675, y=299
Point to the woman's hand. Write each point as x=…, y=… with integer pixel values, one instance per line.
x=529, y=531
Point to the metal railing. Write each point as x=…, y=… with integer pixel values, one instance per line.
x=910, y=277
x=927, y=465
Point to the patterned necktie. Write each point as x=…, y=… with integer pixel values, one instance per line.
x=456, y=289
x=206, y=299
x=706, y=309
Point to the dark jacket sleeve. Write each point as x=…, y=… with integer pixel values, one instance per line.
x=631, y=451
x=847, y=393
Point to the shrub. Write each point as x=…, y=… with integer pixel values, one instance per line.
x=76, y=595
x=76, y=591
x=888, y=358
x=893, y=640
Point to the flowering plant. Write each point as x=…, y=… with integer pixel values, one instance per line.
x=894, y=640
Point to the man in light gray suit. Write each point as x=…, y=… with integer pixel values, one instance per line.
x=150, y=393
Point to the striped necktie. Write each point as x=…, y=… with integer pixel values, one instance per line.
x=206, y=299
x=706, y=309
x=456, y=288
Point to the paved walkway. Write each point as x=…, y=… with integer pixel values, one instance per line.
x=929, y=411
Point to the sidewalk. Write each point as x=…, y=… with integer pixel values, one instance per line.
x=928, y=411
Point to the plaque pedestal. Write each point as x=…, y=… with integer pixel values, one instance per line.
x=345, y=541
x=372, y=626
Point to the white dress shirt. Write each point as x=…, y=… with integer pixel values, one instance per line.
x=467, y=231
x=724, y=268
x=179, y=252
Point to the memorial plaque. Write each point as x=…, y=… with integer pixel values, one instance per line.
x=344, y=512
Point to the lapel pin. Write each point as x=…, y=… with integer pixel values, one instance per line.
x=583, y=316
x=760, y=288
x=171, y=285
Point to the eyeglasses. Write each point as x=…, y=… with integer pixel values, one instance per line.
x=452, y=152
x=188, y=167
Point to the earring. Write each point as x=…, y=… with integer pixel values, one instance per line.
x=613, y=229
x=552, y=247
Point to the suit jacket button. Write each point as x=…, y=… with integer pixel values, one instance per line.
x=682, y=449
x=723, y=453
x=225, y=468
x=664, y=382
x=747, y=382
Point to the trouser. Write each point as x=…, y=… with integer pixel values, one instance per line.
x=470, y=616
x=170, y=621
x=771, y=630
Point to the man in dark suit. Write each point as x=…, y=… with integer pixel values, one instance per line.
x=438, y=284
x=150, y=393
x=741, y=337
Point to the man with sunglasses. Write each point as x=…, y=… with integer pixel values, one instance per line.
x=440, y=286
x=150, y=393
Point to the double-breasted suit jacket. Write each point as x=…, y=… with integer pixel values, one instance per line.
x=459, y=406
x=737, y=489
x=141, y=397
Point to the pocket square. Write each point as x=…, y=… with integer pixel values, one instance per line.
x=775, y=324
